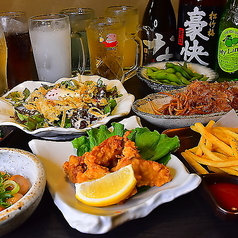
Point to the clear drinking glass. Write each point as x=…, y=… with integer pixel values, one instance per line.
x=132, y=53
x=106, y=37
x=51, y=43
x=79, y=46
x=15, y=27
x=106, y=41
x=131, y=16
x=3, y=63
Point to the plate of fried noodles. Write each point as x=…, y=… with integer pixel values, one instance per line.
x=197, y=102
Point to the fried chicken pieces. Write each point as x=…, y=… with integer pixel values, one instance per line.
x=111, y=155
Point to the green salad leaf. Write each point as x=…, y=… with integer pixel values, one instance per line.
x=110, y=106
x=96, y=136
x=31, y=122
x=151, y=144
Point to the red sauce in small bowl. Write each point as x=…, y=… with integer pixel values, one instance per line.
x=226, y=195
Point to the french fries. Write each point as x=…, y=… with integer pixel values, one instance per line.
x=217, y=150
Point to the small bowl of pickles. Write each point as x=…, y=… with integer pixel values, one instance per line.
x=170, y=75
x=16, y=162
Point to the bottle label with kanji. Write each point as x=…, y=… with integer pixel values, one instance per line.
x=197, y=34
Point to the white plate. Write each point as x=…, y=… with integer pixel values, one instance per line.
x=123, y=108
x=95, y=220
x=142, y=108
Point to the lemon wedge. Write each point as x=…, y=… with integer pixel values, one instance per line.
x=108, y=190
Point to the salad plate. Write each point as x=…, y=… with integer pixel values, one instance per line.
x=122, y=108
x=96, y=220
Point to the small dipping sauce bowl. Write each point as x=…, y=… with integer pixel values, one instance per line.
x=221, y=192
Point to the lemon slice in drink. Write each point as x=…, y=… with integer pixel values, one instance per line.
x=108, y=190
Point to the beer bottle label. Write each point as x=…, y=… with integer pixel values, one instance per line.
x=197, y=31
x=228, y=50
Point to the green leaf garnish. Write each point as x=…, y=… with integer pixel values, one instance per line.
x=96, y=136
x=151, y=144
x=31, y=122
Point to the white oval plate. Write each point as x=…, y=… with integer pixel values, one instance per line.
x=122, y=109
x=96, y=220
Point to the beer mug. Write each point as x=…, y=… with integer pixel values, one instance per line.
x=51, y=44
x=131, y=16
x=19, y=61
x=3, y=64
x=79, y=46
x=106, y=41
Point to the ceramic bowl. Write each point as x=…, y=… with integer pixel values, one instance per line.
x=142, y=108
x=159, y=87
x=15, y=161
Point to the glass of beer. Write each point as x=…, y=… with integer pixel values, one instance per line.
x=51, y=44
x=19, y=62
x=3, y=63
x=106, y=41
x=79, y=46
x=131, y=16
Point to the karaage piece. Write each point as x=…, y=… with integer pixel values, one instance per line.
x=111, y=155
x=147, y=173
x=94, y=164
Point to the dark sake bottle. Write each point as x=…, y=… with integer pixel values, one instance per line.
x=197, y=31
x=227, y=52
x=159, y=16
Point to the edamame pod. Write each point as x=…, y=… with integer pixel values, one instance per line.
x=149, y=71
x=167, y=76
x=175, y=84
x=189, y=71
x=183, y=79
x=173, y=78
x=170, y=70
x=177, y=69
x=204, y=78
x=152, y=68
x=197, y=77
x=165, y=81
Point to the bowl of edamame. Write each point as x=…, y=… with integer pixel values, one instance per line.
x=170, y=75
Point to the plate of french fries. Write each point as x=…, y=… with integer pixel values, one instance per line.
x=217, y=150
x=211, y=150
